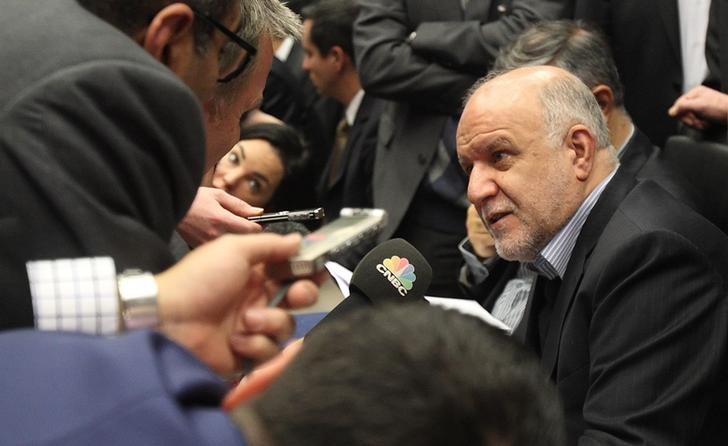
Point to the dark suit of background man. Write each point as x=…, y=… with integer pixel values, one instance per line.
x=290, y=96
x=716, y=45
x=705, y=107
x=645, y=36
x=424, y=55
x=629, y=310
x=328, y=59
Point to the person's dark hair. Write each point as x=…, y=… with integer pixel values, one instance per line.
x=575, y=46
x=333, y=22
x=130, y=16
x=289, y=146
x=411, y=375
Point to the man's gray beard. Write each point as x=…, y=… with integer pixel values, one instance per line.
x=524, y=252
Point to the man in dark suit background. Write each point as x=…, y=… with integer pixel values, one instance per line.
x=291, y=97
x=628, y=310
x=706, y=106
x=647, y=40
x=424, y=55
x=346, y=180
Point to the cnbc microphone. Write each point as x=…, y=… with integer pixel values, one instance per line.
x=394, y=271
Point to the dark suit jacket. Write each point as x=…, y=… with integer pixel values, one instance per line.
x=139, y=389
x=716, y=54
x=352, y=187
x=716, y=45
x=643, y=160
x=638, y=337
x=645, y=39
x=428, y=77
x=290, y=96
x=101, y=147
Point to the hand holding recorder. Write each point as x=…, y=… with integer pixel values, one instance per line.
x=214, y=300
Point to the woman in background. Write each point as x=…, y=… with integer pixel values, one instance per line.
x=265, y=168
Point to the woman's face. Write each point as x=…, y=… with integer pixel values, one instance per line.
x=251, y=171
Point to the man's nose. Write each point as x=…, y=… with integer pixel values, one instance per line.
x=481, y=186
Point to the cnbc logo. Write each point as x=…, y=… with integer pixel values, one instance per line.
x=399, y=272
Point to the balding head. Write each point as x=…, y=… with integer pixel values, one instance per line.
x=564, y=98
x=534, y=143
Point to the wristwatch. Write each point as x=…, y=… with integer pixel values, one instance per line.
x=138, y=299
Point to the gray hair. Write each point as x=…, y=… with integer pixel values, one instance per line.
x=575, y=46
x=565, y=101
x=266, y=17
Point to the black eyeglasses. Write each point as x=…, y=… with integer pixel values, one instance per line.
x=250, y=50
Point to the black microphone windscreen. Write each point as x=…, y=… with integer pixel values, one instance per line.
x=391, y=272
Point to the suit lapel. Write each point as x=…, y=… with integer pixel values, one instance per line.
x=600, y=215
x=636, y=153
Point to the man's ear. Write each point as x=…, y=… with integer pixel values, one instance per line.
x=170, y=36
x=605, y=98
x=582, y=146
x=262, y=377
x=339, y=57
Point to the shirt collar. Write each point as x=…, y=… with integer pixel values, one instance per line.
x=620, y=150
x=353, y=108
x=284, y=49
x=554, y=257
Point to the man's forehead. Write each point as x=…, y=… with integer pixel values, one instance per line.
x=492, y=104
x=521, y=84
x=535, y=74
x=491, y=110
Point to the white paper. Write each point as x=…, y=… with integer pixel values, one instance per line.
x=470, y=307
x=341, y=275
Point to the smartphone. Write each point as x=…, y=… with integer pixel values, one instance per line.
x=302, y=215
x=352, y=226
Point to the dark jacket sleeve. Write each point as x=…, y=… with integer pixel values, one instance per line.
x=389, y=67
x=716, y=78
x=435, y=69
x=98, y=159
x=473, y=45
x=66, y=389
x=656, y=342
